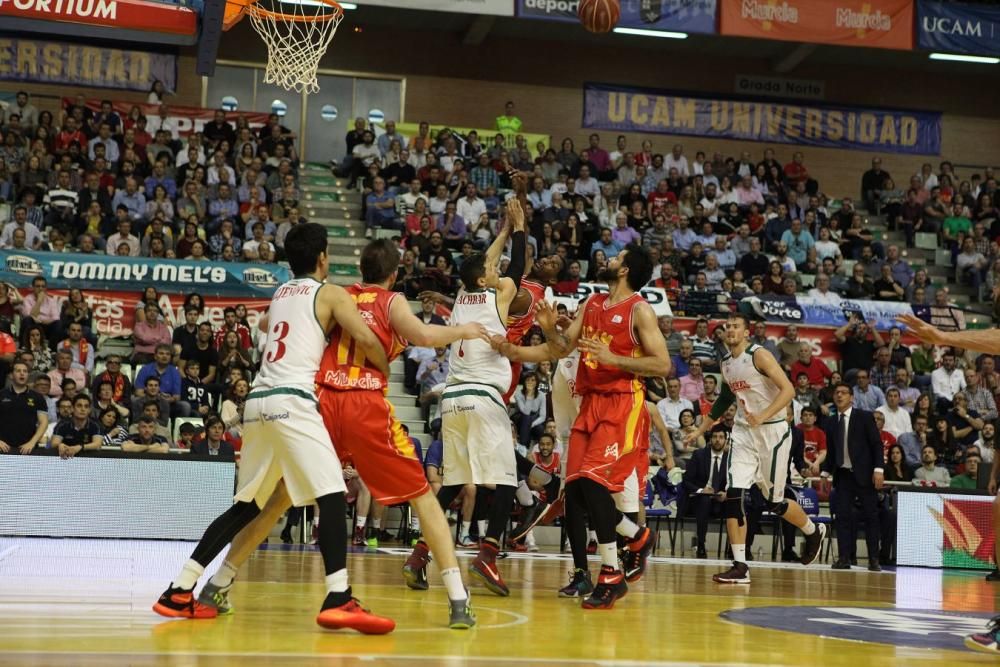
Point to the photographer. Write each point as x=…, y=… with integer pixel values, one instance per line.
x=858, y=342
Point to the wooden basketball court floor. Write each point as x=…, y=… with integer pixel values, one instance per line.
x=70, y=602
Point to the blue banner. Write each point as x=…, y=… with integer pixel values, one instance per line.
x=695, y=16
x=169, y=276
x=38, y=61
x=958, y=28
x=827, y=126
x=808, y=310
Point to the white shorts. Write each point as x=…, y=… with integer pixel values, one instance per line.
x=760, y=456
x=284, y=437
x=628, y=499
x=478, y=446
x=565, y=401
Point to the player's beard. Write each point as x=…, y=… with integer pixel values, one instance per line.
x=608, y=275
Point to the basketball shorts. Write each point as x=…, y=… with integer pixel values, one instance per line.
x=760, y=456
x=284, y=437
x=565, y=402
x=628, y=500
x=478, y=446
x=364, y=428
x=606, y=440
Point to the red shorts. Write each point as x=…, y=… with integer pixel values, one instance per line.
x=515, y=379
x=606, y=442
x=364, y=428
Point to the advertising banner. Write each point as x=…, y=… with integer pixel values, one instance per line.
x=694, y=16
x=492, y=7
x=183, y=120
x=620, y=108
x=103, y=272
x=944, y=530
x=807, y=310
x=954, y=27
x=886, y=24
x=461, y=133
x=656, y=296
x=39, y=61
x=145, y=15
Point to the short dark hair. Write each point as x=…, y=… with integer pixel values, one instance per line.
x=639, y=264
x=81, y=397
x=748, y=321
x=473, y=268
x=547, y=435
x=808, y=408
x=379, y=260
x=304, y=244
x=147, y=420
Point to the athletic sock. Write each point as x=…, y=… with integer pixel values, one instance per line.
x=482, y=524
x=466, y=528
x=224, y=576
x=810, y=527
x=453, y=582
x=740, y=553
x=376, y=523
x=627, y=528
x=415, y=522
x=361, y=521
x=591, y=535
x=609, y=554
x=189, y=575
x=337, y=581
x=524, y=495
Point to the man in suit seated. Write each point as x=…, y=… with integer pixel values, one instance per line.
x=855, y=461
x=705, y=482
x=214, y=443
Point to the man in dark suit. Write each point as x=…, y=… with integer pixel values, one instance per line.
x=855, y=461
x=705, y=482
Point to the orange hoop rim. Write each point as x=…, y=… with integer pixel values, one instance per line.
x=235, y=9
x=335, y=11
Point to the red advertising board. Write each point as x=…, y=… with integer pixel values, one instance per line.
x=143, y=15
x=886, y=24
x=183, y=120
x=114, y=312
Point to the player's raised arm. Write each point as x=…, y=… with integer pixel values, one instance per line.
x=984, y=340
x=557, y=344
x=410, y=327
x=768, y=365
x=341, y=307
x=655, y=360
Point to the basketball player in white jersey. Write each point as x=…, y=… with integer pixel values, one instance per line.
x=285, y=437
x=761, y=443
x=478, y=447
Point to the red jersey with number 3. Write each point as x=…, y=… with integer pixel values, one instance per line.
x=612, y=325
x=344, y=365
x=517, y=326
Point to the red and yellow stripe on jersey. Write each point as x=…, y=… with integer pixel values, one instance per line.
x=612, y=325
x=344, y=365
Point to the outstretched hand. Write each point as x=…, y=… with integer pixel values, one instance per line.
x=515, y=214
x=598, y=351
x=926, y=332
x=474, y=330
x=546, y=315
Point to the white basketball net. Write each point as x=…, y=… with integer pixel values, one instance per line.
x=296, y=41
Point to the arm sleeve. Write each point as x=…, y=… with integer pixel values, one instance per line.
x=726, y=398
x=515, y=271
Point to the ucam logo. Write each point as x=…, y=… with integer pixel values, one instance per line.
x=22, y=264
x=259, y=278
x=918, y=628
x=949, y=26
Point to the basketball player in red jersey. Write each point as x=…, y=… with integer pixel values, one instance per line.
x=620, y=342
x=361, y=421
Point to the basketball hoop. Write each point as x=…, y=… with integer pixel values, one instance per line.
x=297, y=34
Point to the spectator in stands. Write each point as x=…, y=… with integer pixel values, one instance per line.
x=789, y=347
x=964, y=422
x=78, y=433
x=113, y=434
x=82, y=351
x=231, y=323
x=817, y=372
x=214, y=443
x=705, y=483
x=40, y=308
x=858, y=342
x=530, y=411
x=897, y=419
x=186, y=334
x=149, y=334
x=969, y=479
x=121, y=386
x=693, y=384
x=151, y=394
x=814, y=438
x=232, y=408
x=170, y=380
x=146, y=441
x=980, y=398
x=947, y=380
x=867, y=396
x=233, y=355
x=194, y=391
x=929, y=474
x=63, y=371
x=908, y=395
x=24, y=411
x=883, y=373
x=36, y=345
x=970, y=266
x=103, y=398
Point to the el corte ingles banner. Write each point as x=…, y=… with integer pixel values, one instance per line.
x=958, y=28
x=619, y=108
x=104, y=272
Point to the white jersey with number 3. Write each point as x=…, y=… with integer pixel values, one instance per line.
x=475, y=361
x=295, y=340
x=754, y=391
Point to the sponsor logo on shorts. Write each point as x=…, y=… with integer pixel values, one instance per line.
x=465, y=408
x=611, y=451
x=920, y=628
x=278, y=416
